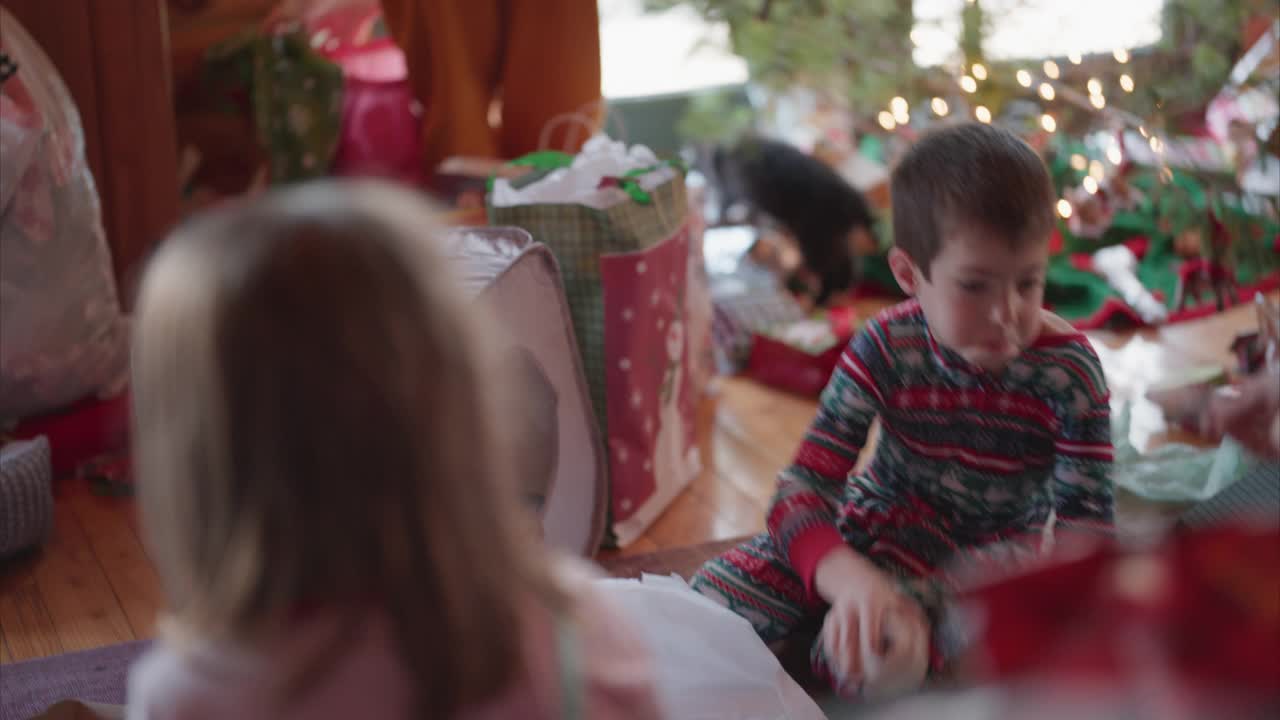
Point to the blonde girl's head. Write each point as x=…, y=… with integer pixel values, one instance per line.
x=316, y=426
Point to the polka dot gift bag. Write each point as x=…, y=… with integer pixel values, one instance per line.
x=617, y=220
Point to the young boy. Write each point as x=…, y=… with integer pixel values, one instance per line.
x=994, y=420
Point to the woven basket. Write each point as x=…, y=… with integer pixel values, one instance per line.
x=26, y=495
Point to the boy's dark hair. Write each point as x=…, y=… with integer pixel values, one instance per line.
x=969, y=174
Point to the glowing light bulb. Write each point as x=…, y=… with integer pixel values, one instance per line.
x=1156, y=144
x=886, y=120
x=968, y=84
x=1075, y=58
x=1024, y=78
x=1047, y=92
x=1051, y=69
x=982, y=113
x=1126, y=83
x=939, y=107
x=1142, y=130
x=902, y=118
x=898, y=105
x=1098, y=101
x=1095, y=86
x=979, y=71
x=1090, y=185
x=1079, y=162
x=1121, y=55
x=1064, y=209
x=1097, y=171
x=1114, y=155
x=1048, y=123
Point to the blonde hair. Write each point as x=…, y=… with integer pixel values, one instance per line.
x=315, y=424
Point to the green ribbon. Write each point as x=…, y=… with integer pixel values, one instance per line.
x=541, y=161
x=545, y=161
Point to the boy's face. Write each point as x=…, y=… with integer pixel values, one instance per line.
x=983, y=297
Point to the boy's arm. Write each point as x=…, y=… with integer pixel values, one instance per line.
x=801, y=517
x=1081, y=484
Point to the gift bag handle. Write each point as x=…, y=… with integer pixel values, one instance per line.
x=582, y=119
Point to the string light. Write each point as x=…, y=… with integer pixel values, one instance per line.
x=902, y=118
x=1156, y=145
x=1114, y=155
x=939, y=107
x=1051, y=69
x=1096, y=171
x=1095, y=86
x=1098, y=101
x=1121, y=55
x=1142, y=130
x=1126, y=83
x=886, y=120
x=979, y=71
x=1090, y=185
x=968, y=84
x=1064, y=209
x=1079, y=162
x=982, y=113
x=1046, y=91
x=1024, y=78
x=917, y=38
x=898, y=105
x=1075, y=58
x=1048, y=123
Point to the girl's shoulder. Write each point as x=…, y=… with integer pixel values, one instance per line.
x=184, y=676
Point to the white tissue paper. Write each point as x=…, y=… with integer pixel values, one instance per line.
x=710, y=663
x=579, y=183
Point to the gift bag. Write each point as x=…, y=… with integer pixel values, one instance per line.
x=62, y=335
x=294, y=94
x=518, y=282
x=800, y=356
x=616, y=220
x=381, y=120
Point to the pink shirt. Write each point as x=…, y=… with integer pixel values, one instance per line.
x=205, y=681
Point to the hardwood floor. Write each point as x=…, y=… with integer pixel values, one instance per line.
x=93, y=584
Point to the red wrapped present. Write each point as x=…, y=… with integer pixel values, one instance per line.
x=1201, y=614
x=800, y=356
x=87, y=431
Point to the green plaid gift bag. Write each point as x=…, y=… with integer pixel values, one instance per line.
x=617, y=222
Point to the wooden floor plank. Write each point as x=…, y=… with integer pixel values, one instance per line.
x=82, y=605
x=689, y=516
x=642, y=545
x=5, y=657
x=29, y=631
x=737, y=512
x=121, y=555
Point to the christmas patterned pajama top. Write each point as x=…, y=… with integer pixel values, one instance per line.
x=968, y=463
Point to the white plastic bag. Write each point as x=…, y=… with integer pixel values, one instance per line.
x=62, y=336
x=710, y=663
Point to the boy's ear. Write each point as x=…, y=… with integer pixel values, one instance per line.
x=904, y=271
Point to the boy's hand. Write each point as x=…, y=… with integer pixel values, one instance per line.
x=871, y=625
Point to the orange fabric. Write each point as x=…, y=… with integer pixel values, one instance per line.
x=541, y=58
